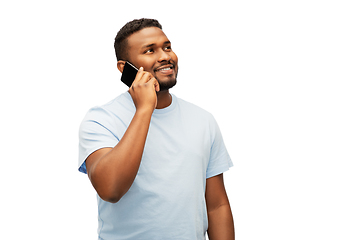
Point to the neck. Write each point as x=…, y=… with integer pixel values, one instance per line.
x=163, y=99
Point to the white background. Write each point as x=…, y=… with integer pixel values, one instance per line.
x=280, y=77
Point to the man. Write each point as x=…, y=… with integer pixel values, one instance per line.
x=155, y=160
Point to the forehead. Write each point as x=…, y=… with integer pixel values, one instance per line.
x=146, y=36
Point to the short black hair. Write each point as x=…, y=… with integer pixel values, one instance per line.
x=129, y=28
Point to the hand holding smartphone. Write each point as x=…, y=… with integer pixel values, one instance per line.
x=146, y=86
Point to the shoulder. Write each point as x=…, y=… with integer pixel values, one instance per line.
x=113, y=116
x=197, y=115
x=194, y=109
x=120, y=105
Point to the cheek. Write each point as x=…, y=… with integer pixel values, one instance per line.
x=174, y=57
x=146, y=63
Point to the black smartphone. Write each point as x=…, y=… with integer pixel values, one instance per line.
x=129, y=74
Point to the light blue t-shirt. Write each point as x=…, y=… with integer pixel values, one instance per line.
x=166, y=201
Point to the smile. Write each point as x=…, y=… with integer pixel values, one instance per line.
x=165, y=68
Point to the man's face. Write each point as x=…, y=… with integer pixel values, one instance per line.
x=151, y=49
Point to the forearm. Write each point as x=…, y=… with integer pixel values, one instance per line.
x=221, y=224
x=115, y=172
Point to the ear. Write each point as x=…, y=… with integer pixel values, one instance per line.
x=120, y=65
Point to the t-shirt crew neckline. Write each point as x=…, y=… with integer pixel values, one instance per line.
x=162, y=110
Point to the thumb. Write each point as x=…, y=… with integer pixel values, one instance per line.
x=156, y=84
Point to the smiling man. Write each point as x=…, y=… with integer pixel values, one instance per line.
x=155, y=160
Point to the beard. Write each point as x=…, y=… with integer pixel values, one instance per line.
x=166, y=84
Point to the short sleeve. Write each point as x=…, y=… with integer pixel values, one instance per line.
x=97, y=131
x=220, y=160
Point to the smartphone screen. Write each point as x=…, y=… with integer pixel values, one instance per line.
x=129, y=74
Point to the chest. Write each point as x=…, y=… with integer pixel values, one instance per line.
x=176, y=147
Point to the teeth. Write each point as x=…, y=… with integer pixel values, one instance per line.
x=165, y=69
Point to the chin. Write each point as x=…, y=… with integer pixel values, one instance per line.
x=166, y=85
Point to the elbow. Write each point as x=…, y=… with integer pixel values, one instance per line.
x=109, y=188
x=110, y=197
x=110, y=194
x=109, y=191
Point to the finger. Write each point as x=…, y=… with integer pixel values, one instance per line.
x=139, y=75
x=155, y=83
x=146, y=77
x=143, y=77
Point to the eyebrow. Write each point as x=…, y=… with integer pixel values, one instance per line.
x=153, y=44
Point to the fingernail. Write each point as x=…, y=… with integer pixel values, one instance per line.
x=141, y=69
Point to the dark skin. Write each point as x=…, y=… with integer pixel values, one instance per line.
x=150, y=50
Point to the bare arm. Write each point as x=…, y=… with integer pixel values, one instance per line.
x=113, y=170
x=221, y=224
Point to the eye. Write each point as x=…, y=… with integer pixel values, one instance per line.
x=150, y=50
x=168, y=48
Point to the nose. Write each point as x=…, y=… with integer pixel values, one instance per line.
x=164, y=56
